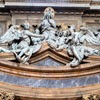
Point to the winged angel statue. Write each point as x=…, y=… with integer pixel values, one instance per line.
x=22, y=42
x=74, y=43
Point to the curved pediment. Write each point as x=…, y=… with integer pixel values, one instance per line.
x=48, y=63
x=46, y=51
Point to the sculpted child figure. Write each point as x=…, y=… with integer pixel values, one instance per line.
x=20, y=41
x=74, y=43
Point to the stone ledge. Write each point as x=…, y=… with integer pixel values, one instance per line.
x=48, y=93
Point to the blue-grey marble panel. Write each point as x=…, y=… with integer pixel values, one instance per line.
x=48, y=62
x=50, y=83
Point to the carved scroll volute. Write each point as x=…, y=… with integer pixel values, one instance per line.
x=6, y=96
x=91, y=97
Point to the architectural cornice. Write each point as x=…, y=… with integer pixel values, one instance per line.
x=82, y=5
x=86, y=92
x=90, y=4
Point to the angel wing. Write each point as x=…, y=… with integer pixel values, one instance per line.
x=90, y=37
x=10, y=35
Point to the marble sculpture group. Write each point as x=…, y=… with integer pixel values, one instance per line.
x=24, y=42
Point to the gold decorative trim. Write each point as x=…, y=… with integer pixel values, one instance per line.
x=91, y=97
x=6, y=95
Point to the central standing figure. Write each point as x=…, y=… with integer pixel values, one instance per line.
x=48, y=26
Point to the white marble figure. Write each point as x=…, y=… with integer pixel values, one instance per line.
x=29, y=46
x=47, y=27
x=10, y=35
x=21, y=44
x=75, y=45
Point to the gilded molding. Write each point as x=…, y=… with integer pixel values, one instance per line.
x=6, y=95
x=91, y=97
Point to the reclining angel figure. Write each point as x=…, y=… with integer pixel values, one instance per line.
x=75, y=45
x=21, y=43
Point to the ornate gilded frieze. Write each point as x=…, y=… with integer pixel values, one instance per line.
x=91, y=97
x=6, y=96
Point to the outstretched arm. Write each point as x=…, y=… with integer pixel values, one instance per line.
x=33, y=35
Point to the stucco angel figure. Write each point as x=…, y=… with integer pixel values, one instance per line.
x=47, y=27
x=20, y=42
x=75, y=44
x=10, y=36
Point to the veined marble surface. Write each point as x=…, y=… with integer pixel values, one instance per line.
x=48, y=62
x=49, y=83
